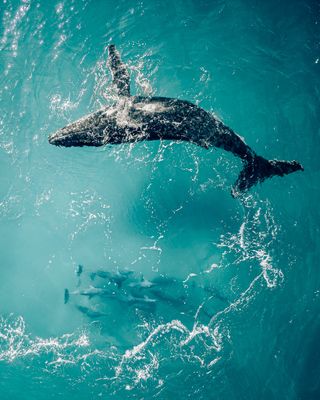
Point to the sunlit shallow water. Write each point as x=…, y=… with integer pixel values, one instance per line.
x=241, y=318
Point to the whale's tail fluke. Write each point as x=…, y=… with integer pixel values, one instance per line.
x=258, y=169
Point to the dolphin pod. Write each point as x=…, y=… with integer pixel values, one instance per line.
x=135, y=118
x=136, y=291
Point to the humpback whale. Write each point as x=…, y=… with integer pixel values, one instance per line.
x=135, y=118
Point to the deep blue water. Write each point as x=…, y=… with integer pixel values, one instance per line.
x=236, y=305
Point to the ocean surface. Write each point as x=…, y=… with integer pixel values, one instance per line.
x=129, y=271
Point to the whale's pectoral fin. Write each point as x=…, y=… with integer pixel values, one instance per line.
x=119, y=71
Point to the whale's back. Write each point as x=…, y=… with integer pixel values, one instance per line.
x=173, y=119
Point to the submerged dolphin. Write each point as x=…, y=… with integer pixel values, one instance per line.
x=89, y=292
x=135, y=118
x=90, y=312
x=117, y=277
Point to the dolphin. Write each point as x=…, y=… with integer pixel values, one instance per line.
x=90, y=312
x=79, y=270
x=66, y=296
x=94, y=291
x=142, y=284
x=131, y=299
x=135, y=118
x=117, y=277
x=89, y=292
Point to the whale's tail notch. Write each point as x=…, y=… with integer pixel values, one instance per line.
x=258, y=169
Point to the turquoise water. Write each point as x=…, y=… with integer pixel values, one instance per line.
x=236, y=314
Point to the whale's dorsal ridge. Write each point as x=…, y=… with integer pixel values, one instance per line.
x=119, y=71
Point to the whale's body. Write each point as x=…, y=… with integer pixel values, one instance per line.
x=140, y=118
x=136, y=118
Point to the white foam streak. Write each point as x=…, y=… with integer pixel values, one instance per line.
x=256, y=234
x=146, y=349
x=244, y=298
x=15, y=344
x=164, y=328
